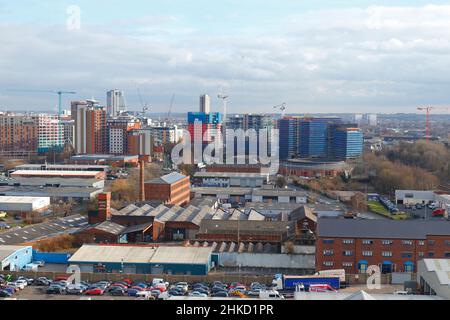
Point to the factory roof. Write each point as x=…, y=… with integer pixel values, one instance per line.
x=137, y=228
x=441, y=267
x=168, y=178
x=247, y=226
x=59, y=166
x=218, y=190
x=229, y=175
x=182, y=255
x=410, y=229
x=21, y=199
x=272, y=206
x=110, y=227
x=278, y=193
x=141, y=254
x=113, y=254
x=6, y=251
x=48, y=229
x=59, y=181
x=49, y=191
x=302, y=212
x=57, y=173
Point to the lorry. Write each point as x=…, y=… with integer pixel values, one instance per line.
x=333, y=273
x=289, y=283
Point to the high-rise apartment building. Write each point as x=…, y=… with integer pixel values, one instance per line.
x=115, y=102
x=118, y=129
x=140, y=142
x=91, y=130
x=205, y=103
x=19, y=134
x=51, y=133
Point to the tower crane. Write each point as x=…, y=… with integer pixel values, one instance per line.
x=145, y=106
x=282, y=107
x=170, y=107
x=428, y=109
x=60, y=93
x=224, y=98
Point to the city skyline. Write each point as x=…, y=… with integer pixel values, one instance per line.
x=327, y=57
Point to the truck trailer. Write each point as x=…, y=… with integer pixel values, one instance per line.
x=290, y=283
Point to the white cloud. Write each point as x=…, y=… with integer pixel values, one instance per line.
x=379, y=57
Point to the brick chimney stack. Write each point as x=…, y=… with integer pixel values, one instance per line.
x=104, y=209
x=142, y=181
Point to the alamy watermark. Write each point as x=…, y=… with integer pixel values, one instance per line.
x=235, y=147
x=73, y=21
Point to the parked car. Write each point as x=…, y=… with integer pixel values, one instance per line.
x=55, y=289
x=42, y=281
x=94, y=292
x=117, y=291
x=174, y=292
x=222, y=294
x=19, y=285
x=22, y=283
x=39, y=263
x=438, y=213
x=182, y=285
x=155, y=293
x=198, y=294
x=5, y=294
x=133, y=292
x=28, y=280
x=143, y=294
x=75, y=289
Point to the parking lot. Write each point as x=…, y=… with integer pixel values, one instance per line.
x=415, y=213
x=42, y=288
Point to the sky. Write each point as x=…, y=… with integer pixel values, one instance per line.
x=315, y=56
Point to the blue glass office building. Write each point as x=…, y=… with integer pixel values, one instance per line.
x=314, y=137
x=288, y=135
x=347, y=143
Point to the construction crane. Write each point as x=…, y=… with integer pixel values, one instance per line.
x=145, y=107
x=428, y=109
x=224, y=99
x=60, y=93
x=282, y=107
x=170, y=107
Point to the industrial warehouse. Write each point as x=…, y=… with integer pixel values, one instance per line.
x=143, y=259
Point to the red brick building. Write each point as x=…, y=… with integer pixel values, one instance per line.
x=394, y=246
x=173, y=188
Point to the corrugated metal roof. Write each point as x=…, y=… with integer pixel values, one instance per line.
x=110, y=227
x=135, y=254
x=6, y=251
x=182, y=255
x=48, y=229
x=168, y=178
x=113, y=254
x=17, y=199
x=412, y=229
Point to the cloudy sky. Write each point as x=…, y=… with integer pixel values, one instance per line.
x=317, y=56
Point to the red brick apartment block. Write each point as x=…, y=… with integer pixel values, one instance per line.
x=394, y=246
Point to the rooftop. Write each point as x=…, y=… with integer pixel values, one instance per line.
x=113, y=254
x=182, y=255
x=229, y=175
x=48, y=229
x=409, y=229
x=141, y=254
x=168, y=178
x=6, y=251
x=12, y=199
x=51, y=173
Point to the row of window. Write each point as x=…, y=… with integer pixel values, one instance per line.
x=363, y=268
x=349, y=253
x=385, y=242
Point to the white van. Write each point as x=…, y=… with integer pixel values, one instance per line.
x=270, y=295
